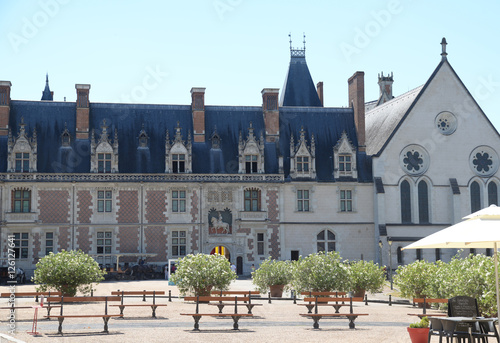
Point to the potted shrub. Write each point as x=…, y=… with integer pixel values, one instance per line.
x=201, y=273
x=419, y=332
x=366, y=276
x=274, y=276
x=323, y=271
x=67, y=272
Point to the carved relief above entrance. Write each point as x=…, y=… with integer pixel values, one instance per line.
x=220, y=222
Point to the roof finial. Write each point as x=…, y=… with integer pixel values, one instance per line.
x=290, y=36
x=47, y=77
x=304, y=40
x=443, y=45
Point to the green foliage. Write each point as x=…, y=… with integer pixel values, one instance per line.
x=272, y=272
x=201, y=273
x=366, y=275
x=321, y=272
x=417, y=279
x=67, y=272
x=422, y=324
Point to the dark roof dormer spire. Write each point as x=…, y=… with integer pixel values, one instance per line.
x=443, y=46
x=47, y=94
x=299, y=89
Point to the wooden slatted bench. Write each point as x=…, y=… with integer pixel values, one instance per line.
x=317, y=316
x=249, y=305
x=424, y=301
x=197, y=315
x=153, y=306
x=48, y=305
x=338, y=304
x=105, y=317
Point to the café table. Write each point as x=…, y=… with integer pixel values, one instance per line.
x=449, y=325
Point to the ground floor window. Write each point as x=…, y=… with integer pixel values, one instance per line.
x=325, y=241
x=21, y=244
x=178, y=243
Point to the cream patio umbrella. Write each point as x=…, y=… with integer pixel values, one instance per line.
x=480, y=229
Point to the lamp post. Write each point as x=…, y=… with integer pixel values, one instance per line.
x=389, y=241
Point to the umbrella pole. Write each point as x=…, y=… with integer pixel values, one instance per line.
x=496, y=279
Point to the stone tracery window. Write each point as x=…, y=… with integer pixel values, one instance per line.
x=178, y=153
x=22, y=151
x=345, y=158
x=104, y=152
x=302, y=157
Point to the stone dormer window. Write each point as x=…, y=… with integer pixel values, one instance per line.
x=22, y=151
x=215, y=139
x=65, y=137
x=345, y=158
x=178, y=153
x=143, y=138
x=302, y=157
x=104, y=152
x=251, y=153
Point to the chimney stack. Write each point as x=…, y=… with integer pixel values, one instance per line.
x=4, y=107
x=82, y=111
x=319, y=88
x=357, y=101
x=270, y=110
x=198, y=110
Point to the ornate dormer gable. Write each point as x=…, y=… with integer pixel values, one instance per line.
x=104, y=152
x=215, y=139
x=178, y=153
x=251, y=153
x=22, y=151
x=344, y=154
x=302, y=157
x=65, y=137
x=143, y=139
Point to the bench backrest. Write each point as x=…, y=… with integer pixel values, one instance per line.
x=235, y=292
x=219, y=299
x=30, y=294
x=82, y=299
x=335, y=294
x=137, y=292
x=329, y=299
x=429, y=300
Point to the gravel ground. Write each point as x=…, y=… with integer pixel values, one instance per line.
x=278, y=321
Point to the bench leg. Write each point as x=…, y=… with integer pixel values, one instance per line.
x=309, y=307
x=235, y=320
x=351, y=322
x=316, y=322
x=250, y=306
x=106, y=320
x=337, y=308
x=121, y=307
x=59, y=330
x=196, y=323
x=220, y=306
x=48, y=311
x=153, y=307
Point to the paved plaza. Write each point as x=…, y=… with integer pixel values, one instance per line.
x=272, y=322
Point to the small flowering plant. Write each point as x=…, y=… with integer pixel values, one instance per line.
x=366, y=276
x=67, y=272
x=201, y=273
x=272, y=272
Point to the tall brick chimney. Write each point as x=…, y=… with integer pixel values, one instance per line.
x=198, y=109
x=82, y=111
x=270, y=110
x=319, y=88
x=4, y=107
x=357, y=101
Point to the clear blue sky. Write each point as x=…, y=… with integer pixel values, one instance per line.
x=156, y=51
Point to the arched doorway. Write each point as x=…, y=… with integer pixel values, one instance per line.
x=221, y=250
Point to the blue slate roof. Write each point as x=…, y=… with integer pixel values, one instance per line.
x=299, y=89
x=51, y=118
